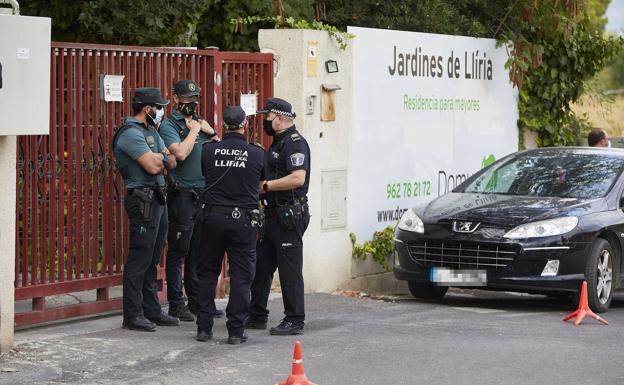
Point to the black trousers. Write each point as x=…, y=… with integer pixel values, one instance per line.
x=220, y=234
x=147, y=239
x=182, y=240
x=282, y=250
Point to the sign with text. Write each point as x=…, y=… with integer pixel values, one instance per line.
x=112, y=88
x=249, y=103
x=428, y=111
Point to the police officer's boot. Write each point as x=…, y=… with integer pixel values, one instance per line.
x=251, y=323
x=139, y=323
x=286, y=328
x=181, y=312
x=203, y=335
x=235, y=340
x=163, y=319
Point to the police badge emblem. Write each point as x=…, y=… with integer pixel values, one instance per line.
x=297, y=159
x=151, y=142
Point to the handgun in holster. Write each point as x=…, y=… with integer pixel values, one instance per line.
x=145, y=200
x=290, y=216
x=161, y=195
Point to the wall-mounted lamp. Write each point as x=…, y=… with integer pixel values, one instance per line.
x=331, y=66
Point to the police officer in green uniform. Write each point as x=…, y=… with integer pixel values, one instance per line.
x=184, y=133
x=141, y=157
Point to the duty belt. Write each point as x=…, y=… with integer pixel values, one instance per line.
x=234, y=212
x=271, y=211
x=145, y=189
x=269, y=203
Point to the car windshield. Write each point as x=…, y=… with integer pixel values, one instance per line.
x=550, y=174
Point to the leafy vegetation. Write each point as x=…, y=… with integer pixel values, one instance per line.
x=289, y=22
x=378, y=248
x=557, y=48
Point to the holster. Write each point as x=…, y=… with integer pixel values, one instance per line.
x=145, y=199
x=289, y=216
x=161, y=195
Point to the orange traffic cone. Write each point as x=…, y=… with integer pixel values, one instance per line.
x=583, y=309
x=297, y=377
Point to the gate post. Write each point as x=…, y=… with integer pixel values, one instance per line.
x=8, y=149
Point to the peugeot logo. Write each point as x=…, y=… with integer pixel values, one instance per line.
x=465, y=227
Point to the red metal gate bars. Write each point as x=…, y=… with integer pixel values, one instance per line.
x=71, y=227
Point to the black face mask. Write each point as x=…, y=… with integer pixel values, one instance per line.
x=187, y=109
x=267, y=126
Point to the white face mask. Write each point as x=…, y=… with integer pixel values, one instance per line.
x=159, y=115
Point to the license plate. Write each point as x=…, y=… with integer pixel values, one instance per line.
x=449, y=277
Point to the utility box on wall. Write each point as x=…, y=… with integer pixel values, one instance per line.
x=334, y=199
x=24, y=75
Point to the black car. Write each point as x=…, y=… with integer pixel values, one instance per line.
x=537, y=221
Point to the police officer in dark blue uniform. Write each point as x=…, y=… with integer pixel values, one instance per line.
x=287, y=168
x=141, y=157
x=233, y=171
x=184, y=133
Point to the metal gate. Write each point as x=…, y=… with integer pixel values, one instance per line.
x=72, y=232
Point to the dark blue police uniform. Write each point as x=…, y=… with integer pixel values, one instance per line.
x=287, y=218
x=233, y=170
x=145, y=205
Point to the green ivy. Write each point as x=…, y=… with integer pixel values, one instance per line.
x=556, y=50
x=290, y=22
x=381, y=246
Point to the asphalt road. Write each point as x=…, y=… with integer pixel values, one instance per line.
x=469, y=338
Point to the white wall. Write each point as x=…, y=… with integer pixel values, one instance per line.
x=8, y=149
x=327, y=253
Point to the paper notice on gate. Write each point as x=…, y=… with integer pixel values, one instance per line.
x=249, y=103
x=111, y=88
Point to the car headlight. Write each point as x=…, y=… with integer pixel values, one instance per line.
x=410, y=222
x=546, y=228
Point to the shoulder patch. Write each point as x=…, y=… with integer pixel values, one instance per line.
x=258, y=145
x=297, y=159
x=295, y=137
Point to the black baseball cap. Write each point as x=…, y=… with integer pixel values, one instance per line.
x=149, y=96
x=278, y=106
x=186, y=88
x=234, y=117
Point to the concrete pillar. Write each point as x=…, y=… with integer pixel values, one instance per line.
x=8, y=151
x=327, y=249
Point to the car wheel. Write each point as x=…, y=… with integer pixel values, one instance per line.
x=426, y=290
x=599, y=275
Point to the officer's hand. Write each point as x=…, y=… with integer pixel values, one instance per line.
x=166, y=151
x=193, y=126
x=205, y=127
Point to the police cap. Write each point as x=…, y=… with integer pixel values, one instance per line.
x=278, y=106
x=149, y=96
x=186, y=88
x=234, y=117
